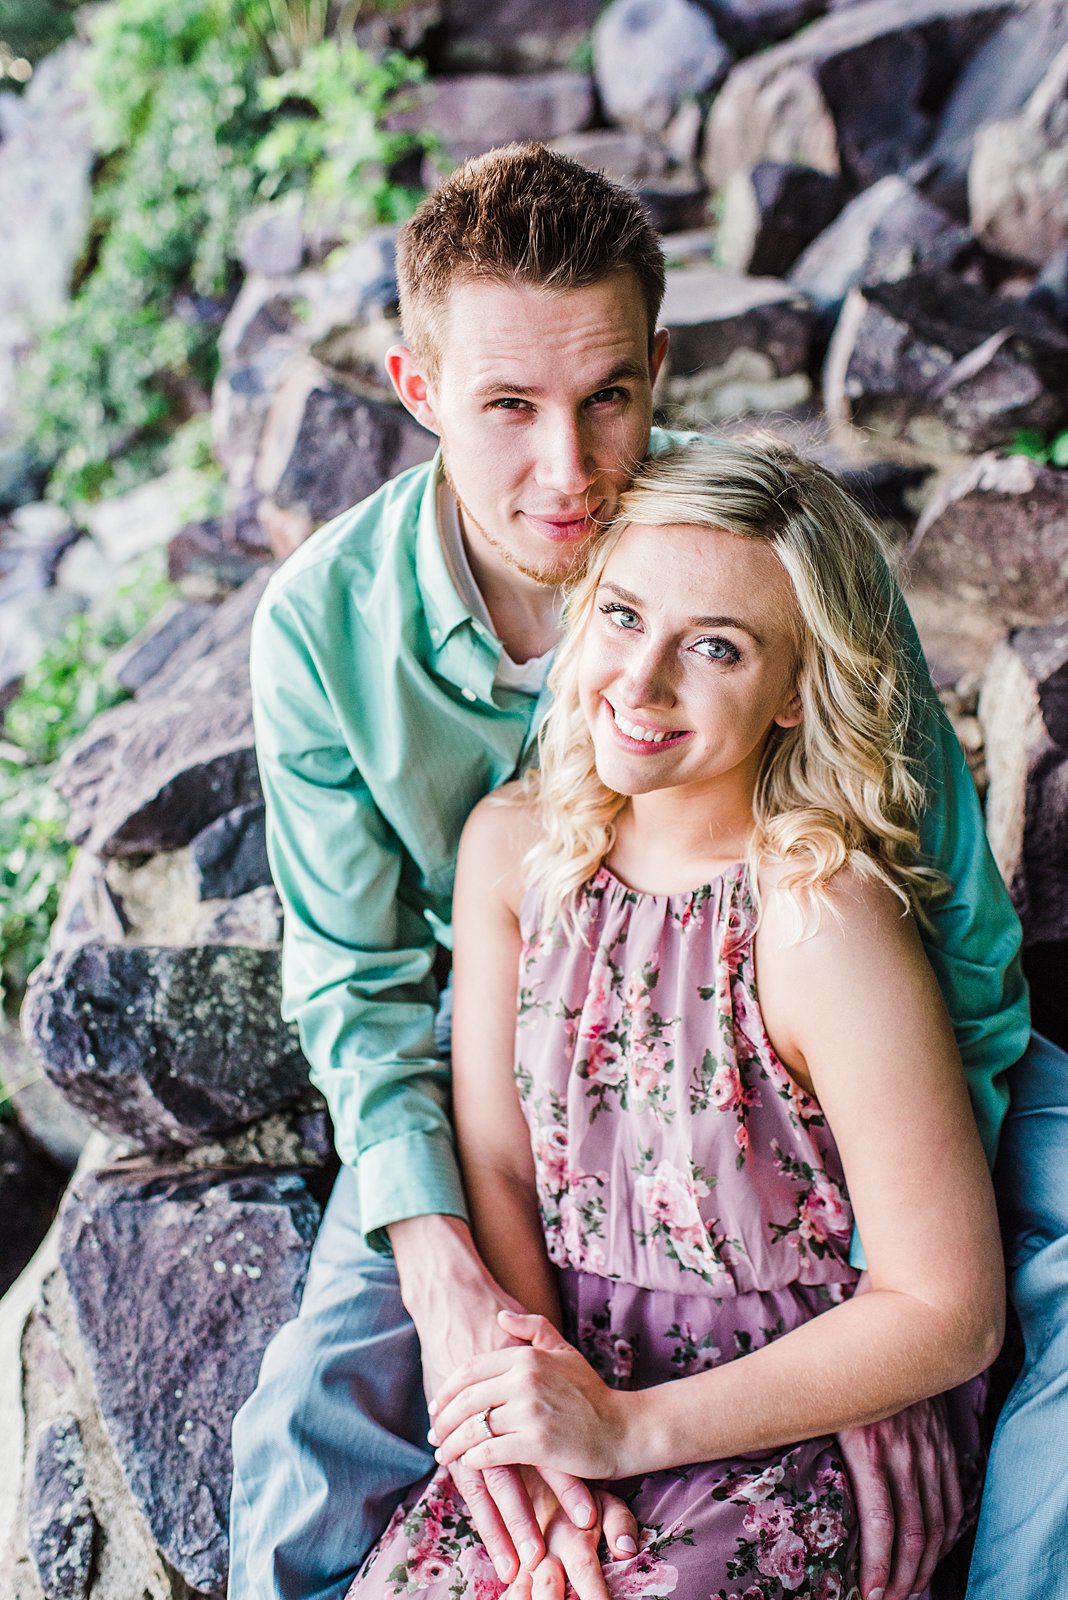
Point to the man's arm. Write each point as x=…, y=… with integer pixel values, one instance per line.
x=357, y=951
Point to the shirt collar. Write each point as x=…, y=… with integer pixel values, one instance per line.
x=444, y=608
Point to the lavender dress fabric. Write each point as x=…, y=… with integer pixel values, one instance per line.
x=694, y=1205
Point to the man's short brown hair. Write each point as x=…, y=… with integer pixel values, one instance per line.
x=524, y=215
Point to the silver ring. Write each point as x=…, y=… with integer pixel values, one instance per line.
x=487, y=1427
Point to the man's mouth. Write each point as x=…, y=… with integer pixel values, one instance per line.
x=642, y=735
x=581, y=525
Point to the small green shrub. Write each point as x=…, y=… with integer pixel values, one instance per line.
x=60, y=696
x=1051, y=452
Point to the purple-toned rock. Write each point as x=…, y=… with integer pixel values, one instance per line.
x=738, y=344
x=480, y=110
x=153, y=647
x=995, y=535
x=769, y=215
x=749, y=25
x=1023, y=708
x=511, y=35
x=849, y=94
x=165, y=1046
x=324, y=448
x=944, y=367
x=673, y=193
x=178, y=1281
x=60, y=1524
x=230, y=856
x=994, y=86
x=886, y=233
x=651, y=55
x=270, y=240
x=1018, y=178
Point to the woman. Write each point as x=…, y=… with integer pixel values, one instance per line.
x=663, y=1159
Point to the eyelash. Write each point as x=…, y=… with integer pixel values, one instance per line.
x=612, y=396
x=732, y=657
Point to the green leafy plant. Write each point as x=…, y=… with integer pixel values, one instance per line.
x=1051, y=452
x=191, y=134
x=60, y=696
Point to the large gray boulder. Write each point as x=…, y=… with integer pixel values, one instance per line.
x=61, y=1527
x=1018, y=178
x=651, y=55
x=165, y=1047
x=511, y=35
x=995, y=536
x=1023, y=709
x=178, y=1281
x=849, y=94
x=943, y=367
x=738, y=344
x=769, y=215
x=477, y=111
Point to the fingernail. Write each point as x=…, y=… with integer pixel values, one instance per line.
x=627, y=1545
x=437, y=1457
x=432, y=1437
x=528, y=1551
x=877, y=1594
x=432, y=1407
x=504, y=1568
x=582, y=1514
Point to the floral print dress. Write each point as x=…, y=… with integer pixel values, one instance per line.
x=694, y=1205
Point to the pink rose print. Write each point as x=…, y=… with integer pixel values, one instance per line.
x=762, y=1487
x=741, y=1138
x=726, y=1091
x=767, y=1518
x=602, y=1064
x=647, y=1069
x=829, y=1586
x=671, y=1197
x=426, y=1567
x=821, y=1528
x=480, y=1580
x=785, y=1560
x=550, y=1152
x=824, y=1213
x=637, y=993
x=644, y=1575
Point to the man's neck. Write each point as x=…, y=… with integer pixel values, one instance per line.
x=525, y=613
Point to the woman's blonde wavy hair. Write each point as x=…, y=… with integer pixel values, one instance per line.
x=841, y=786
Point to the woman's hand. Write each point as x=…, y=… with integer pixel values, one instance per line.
x=545, y=1405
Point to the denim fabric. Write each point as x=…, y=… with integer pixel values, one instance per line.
x=335, y=1431
x=1022, y=1542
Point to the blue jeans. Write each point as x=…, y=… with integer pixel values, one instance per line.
x=335, y=1431
x=1021, y=1547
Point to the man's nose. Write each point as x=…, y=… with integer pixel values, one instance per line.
x=565, y=461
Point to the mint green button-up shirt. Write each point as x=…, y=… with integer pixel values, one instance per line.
x=378, y=728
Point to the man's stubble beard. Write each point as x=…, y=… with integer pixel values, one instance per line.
x=548, y=576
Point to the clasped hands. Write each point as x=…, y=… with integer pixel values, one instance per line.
x=538, y=1402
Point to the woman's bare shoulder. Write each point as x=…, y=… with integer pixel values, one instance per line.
x=499, y=831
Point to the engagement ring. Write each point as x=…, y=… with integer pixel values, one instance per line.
x=484, y=1418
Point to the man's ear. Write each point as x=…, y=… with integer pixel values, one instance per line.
x=661, y=338
x=408, y=378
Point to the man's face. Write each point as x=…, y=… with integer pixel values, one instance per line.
x=543, y=403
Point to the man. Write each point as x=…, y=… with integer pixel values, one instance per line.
x=399, y=661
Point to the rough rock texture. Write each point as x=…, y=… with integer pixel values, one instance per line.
x=1023, y=710
x=165, y=1046
x=326, y=447
x=61, y=1526
x=944, y=367
x=994, y=85
x=668, y=184
x=45, y=164
x=1018, y=178
x=886, y=233
x=230, y=856
x=149, y=652
x=180, y=1279
x=848, y=94
x=768, y=216
x=737, y=344
x=995, y=534
x=30, y=1191
x=511, y=35
x=651, y=55
x=479, y=110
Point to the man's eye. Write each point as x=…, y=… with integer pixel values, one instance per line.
x=508, y=402
x=623, y=616
x=718, y=650
x=612, y=396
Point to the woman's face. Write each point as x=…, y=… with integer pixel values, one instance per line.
x=688, y=660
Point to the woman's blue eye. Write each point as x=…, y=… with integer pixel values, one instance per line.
x=718, y=650
x=625, y=617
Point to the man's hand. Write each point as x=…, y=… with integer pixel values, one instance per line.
x=906, y=1485
x=454, y=1302
x=571, y=1553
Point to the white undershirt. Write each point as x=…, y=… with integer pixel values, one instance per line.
x=528, y=677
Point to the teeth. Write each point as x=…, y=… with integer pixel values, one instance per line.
x=633, y=730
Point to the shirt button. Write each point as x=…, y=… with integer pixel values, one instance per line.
x=469, y=694
x=435, y=634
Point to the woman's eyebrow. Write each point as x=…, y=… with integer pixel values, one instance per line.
x=692, y=622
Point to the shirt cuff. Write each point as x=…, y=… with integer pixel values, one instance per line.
x=412, y=1175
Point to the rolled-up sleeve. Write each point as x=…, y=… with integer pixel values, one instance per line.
x=357, y=966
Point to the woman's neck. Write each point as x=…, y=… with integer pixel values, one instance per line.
x=667, y=842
